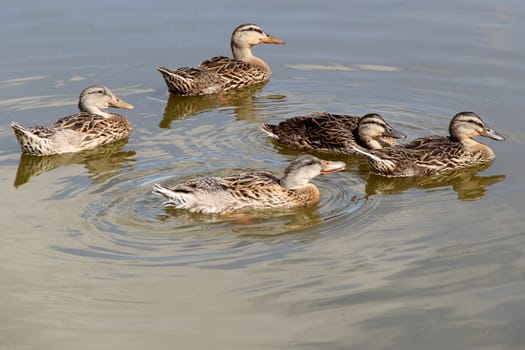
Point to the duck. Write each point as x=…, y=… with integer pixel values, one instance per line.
x=251, y=190
x=435, y=154
x=78, y=132
x=221, y=73
x=328, y=132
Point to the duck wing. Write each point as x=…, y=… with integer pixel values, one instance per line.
x=93, y=127
x=318, y=131
x=234, y=73
x=423, y=156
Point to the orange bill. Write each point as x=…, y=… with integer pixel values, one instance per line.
x=271, y=40
x=331, y=167
x=119, y=103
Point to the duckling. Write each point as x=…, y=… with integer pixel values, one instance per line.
x=77, y=132
x=435, y=154
x=322, y=131
x=251, y=190
x=222, y=73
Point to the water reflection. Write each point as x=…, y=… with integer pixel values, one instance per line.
x=102, y=162
x=466, y=182
x=251, y=223
x=242, y=101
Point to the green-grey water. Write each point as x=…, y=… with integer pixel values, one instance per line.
x=89, y=259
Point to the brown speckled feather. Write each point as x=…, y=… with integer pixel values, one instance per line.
x=250, y=190
x=91, y=126
x=213, y=75
x=316, y=131
x=77, y=132
x=221, y=73
x=435, y=154
x=424, y=156
x=247, y=190
x=72, y=133
x=329, y=132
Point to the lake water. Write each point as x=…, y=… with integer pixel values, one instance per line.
x=89, y=259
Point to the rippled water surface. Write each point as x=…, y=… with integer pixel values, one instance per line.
x=89, y=259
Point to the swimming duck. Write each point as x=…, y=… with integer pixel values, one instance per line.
x=251, y=190
x=435, y=154
x=322, y=131
x=85, y=130
x=222, y=73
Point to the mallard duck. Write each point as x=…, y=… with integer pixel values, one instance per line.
x=85, y=130
x=251, y=190
x=222, y=73
x=435, y=154
x=322, y=131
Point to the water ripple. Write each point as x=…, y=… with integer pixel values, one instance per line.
x=125, y=222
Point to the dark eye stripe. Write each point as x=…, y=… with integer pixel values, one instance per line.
x=475, y=121
x=252, y=29
x=373, y=120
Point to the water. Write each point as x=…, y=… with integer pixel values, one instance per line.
x=90, y=259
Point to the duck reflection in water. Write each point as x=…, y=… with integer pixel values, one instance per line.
x=243, y=102
x=102, y=163
x=466, y=182
x=253, y=224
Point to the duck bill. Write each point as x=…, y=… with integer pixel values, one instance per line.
x=331, y=167
x=395, y=134
x=493, y=135
x=270, y=39
x=119, y=103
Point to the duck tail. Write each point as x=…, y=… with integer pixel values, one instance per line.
x=372, y=158
x=358, y=149
x=34, y=140
x=19, y=130
x=269, y=129
x=173, y=198
x=180, y=81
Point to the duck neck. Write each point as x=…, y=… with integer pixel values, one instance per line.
x=293, y=183
x=474, y=146
x=371, y=143
x=308, y=194
x=245, y=54
x=93, y=110
x=305, y=192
